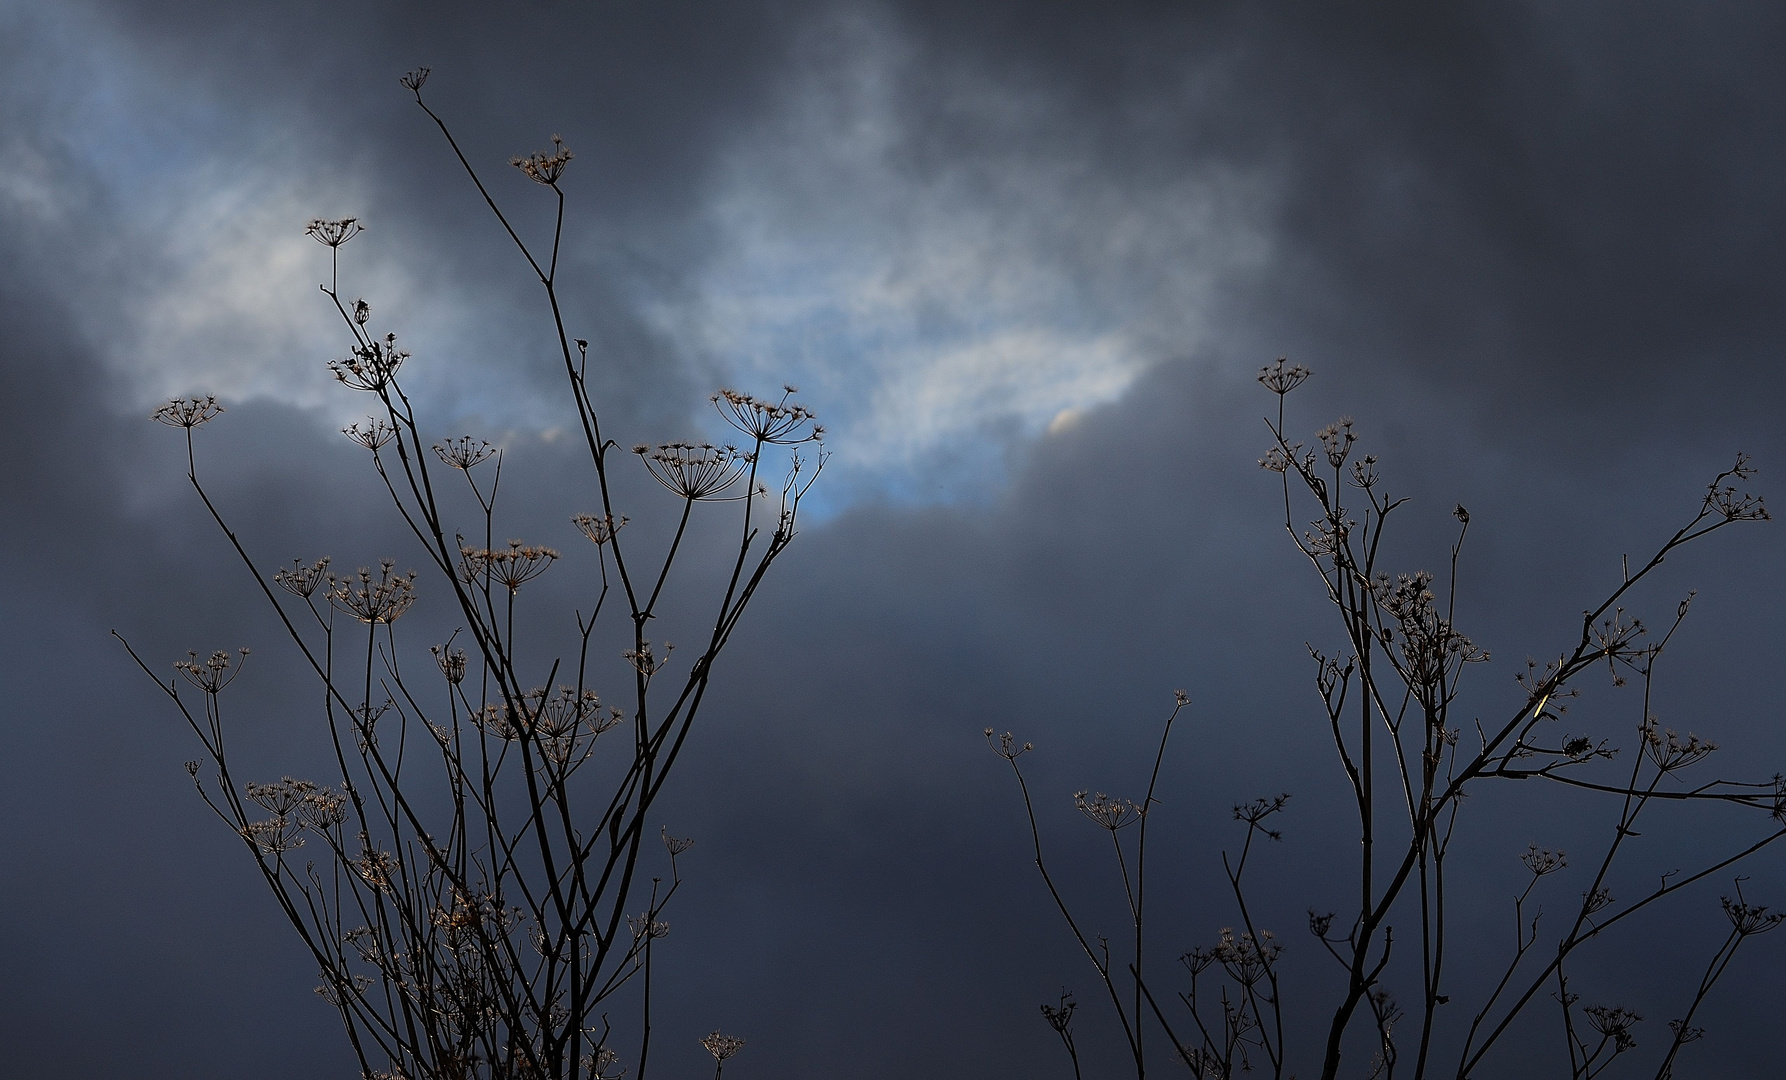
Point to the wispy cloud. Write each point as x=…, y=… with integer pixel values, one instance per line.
x=929, y=300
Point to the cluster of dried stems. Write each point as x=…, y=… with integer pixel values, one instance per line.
x=473, y=888
x=1409, y=764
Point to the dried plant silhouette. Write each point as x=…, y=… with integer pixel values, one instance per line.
x=1387, y=699
x=480, y=881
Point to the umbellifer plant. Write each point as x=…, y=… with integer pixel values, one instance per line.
x=473, y=887
x=1387, y=697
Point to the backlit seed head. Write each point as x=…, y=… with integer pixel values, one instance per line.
x=1280, y=379
x=301, y=580
x=333, y=234
x=372, y=600
x=695, y=472
x=464, y=453
x=722, y=1046
x=544, y=166
x=188, y=413
x=373, y=436
x=783, y=422
x=600, y=530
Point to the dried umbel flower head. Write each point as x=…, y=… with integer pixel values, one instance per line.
x=1669, y=751
x=280, y=798
x=695, y=472
x=1005, y=746
x=597, y=1066
x=333, y=233
x=412, y=81
x=362, y=312
x=275, y=836
x=323, y=809
x=644, y=926
x=783, y=422
x=1615, y=1023
x=1280, y=379
x=188, y=413
x=301, y=580
x=1542, y=861
x=1746, y=918
x=509, y=567
x=544, y=166
x=676, y=845
x=645, y=661
x=373, y=436
x=1112, y=814
x=1255, y=812
x=1337, y=439
x=496, y=721
x=567, y=715
x=600, y=530
x=378, y=868
x=1060, y=1017
x=372, y=365
x=1198, y=959
x=1246, y=959
x=1727, y=502
x=1581, y=748
x=212, y=674
x=464, y=453
x=371, y=600
x=451, y=662
x=722, y=1046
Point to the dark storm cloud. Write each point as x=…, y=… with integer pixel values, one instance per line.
x=1535, y=253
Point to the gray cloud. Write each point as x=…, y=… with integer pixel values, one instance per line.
x=1534, y=253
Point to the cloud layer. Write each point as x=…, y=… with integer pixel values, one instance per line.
x=1025, y=260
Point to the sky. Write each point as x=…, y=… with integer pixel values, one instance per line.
x=1025, y=261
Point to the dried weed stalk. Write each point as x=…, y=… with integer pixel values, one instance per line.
x=1409, y=765
x=473, y=886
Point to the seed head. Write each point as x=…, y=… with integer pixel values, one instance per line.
x=212, y=674
x=1614, y=1023
x=302, y=580
x=1541, y=861
x=371, y=600
x=1060, y=1017
x=1746, y=918
x=544, y=166
x=722, y=1046
x=373, y=436
x=695, y=472
x=600, y=530
x=333, y=234
x=1112, y=814
x=1280, y=380
x=372, y=365
x=644, y=926
x=783, y=422
x=451, y=663
x=510, y=567
x=188, y=413
x=464, y=452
